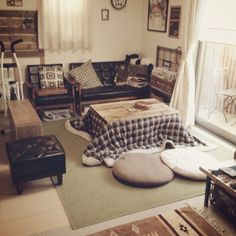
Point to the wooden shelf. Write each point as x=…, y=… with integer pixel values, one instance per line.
x=28, y=53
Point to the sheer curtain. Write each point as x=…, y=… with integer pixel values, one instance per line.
x=64, y=24
x=183, y=97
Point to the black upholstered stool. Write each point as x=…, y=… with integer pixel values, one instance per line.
x=35, y=158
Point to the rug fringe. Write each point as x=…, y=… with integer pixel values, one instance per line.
x=203, y=212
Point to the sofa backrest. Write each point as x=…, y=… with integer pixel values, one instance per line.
x=106, y=71
x=33, y=73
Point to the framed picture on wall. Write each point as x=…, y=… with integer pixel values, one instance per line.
x=15, y=3
x=105, y=14
x=157, y=15
x=174, y=22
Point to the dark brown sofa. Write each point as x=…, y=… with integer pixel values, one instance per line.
x=109, y=91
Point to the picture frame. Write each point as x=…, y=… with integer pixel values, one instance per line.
x=105, y=14
x=174, y=21
x=157, y=15
x=15, y=3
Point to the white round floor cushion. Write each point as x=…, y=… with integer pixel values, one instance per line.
x=186, y=162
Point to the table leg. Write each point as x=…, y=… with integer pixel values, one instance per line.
x=59, y=179
x=19, y=188
x=207, y=191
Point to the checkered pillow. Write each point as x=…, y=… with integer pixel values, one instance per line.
x=51, y=77
x=85, y=75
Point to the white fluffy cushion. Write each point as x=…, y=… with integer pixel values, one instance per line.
x=186, y=162
x=85, y=75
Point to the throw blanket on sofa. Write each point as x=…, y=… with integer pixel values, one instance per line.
x=113, y=139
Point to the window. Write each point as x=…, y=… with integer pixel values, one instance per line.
x=216, y=72
x=64, y=24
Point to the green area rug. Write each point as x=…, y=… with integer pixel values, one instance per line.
x=91, y=194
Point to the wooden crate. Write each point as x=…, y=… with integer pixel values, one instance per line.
x=24, y=119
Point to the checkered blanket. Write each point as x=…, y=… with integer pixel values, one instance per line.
x=111, y=140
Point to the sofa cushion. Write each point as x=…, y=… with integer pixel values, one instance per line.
x=51, y=77
x=109, y=92
x=85, y=75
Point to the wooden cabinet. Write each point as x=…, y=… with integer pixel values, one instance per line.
x=161, y=88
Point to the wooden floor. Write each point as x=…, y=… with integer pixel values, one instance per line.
x=37, y=209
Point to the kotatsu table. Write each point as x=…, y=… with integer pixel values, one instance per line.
x=119, y=127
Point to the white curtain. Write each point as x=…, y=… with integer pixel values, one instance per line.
x=183, y=97
x=64, y=24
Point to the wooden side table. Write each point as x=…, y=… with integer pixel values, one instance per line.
x=221, y=180
x=23, y=119
x=219, y=191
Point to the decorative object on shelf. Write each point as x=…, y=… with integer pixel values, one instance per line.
x=162, y=80
x=15, y=3
x=174, y=21
x=157, y=15
x=118, y=4
x=20, y=24
x=168, y=58
x=105, y=14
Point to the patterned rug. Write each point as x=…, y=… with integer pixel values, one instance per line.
x=183, y=221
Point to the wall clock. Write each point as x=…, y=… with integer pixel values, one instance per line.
x=118, y=4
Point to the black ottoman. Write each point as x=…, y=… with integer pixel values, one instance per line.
x=35, y=158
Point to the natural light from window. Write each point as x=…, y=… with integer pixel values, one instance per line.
x=216, y=70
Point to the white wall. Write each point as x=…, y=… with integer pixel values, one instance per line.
x=125, y=32
x=150, y=39
x=111, y=40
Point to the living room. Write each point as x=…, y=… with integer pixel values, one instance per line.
x=113, y=34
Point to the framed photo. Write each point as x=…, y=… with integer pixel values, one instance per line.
x=105, y=14
x=16, y=3
x=174, y=22
x=157, y=15
x=175, y=13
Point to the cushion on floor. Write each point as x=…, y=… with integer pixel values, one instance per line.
x=186, y=162
x=142, y=170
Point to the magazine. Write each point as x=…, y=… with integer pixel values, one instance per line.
x=231, y=171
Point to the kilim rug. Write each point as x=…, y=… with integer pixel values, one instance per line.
x=183, y=221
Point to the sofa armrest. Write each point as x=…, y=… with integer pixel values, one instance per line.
x=76, y=88
x=31, y=90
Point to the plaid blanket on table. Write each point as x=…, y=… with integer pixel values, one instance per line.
x=111, y=140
